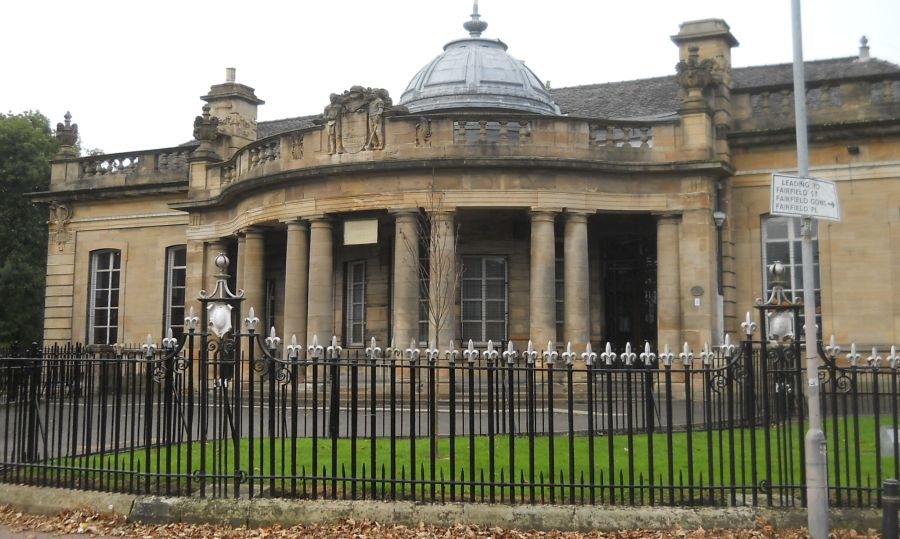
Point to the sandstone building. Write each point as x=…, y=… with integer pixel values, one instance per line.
x=618, y=212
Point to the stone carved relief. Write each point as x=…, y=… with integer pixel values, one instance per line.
x=423, y=132
x=695, y=74
x=354, y=120
x=236, y=125
x=60, y=216
x=297, y=146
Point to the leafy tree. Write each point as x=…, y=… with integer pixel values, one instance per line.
x=26, y=145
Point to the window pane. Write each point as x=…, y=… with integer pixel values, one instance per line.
x=100, y=336
x=494, y=310
x=471, y=289
x=495, y=289
x=102, y=261
x=495, y=331
x=101, y=299
x=114, y=317
x=116, y=259
x=103, y=279
x=471, y=268
x=471, y=310
x=777, y=252
x=495, y=268
x=776, y=229
x=114, y=281
x=113, y=335
x=180, y=257
x=178, y=278
x=101, y=317
x=471, y=330
x=177, y=297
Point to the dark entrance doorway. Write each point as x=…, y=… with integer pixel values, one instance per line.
x=627, y=246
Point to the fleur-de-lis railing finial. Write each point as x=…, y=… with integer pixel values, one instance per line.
x=490, y=354
x=191, y=321
x=728, y=349
x=832, y=350
x=432, y=353
x=293, y=349
x=686, y=356
x=372, y=351
x=707, y=355
x=874, y=359
x=149, y=348
x=647, y=356
x=390, y=351
x=169, y=341
x=550, y=354
x=273, y=341
x=510, y=354
x=451, y=353
x=334, y=350
x=315, y=349
x=853, y=356
x=608, y=356
x=589, y=356
x=748, y=325
x=893, y=359
x=470, y=353
x=569, y=356
x=628, y=356
x=667, y=357
x=412, y=353
x=530, y=354
x=252, y=320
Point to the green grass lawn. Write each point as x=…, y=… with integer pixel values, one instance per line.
x=714, y=454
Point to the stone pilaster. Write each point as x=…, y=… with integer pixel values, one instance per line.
x=443, y=279
x=251, y=279
x=405, y=302
x=668, y=282
x=699, y=305
x=296, y=281
x=543, y=278
x=195, y=276
x=575, y=263
x=320, y=318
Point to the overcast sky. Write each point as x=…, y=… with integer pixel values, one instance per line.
x=132, y=72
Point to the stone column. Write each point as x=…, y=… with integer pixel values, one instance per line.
x=237, y=267
x=543, y=279
x=443, y=280
x=405, y=302
x=320, y=318
x=668, y=282
x=296, y=281
x=576, y=283
x=251, y=278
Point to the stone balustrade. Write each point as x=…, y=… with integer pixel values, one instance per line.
x=772, y=108
x=133, y=168
x=492, y=131
x=621, y=135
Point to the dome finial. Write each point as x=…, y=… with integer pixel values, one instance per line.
x=475, y=26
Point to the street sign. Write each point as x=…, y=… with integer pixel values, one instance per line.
x=795, y=196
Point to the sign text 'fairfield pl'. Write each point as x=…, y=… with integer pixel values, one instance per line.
x=804, y=197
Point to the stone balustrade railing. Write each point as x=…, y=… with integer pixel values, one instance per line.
x=767, y=108
x=621, y=135
x=133, y=168
x=492, y=131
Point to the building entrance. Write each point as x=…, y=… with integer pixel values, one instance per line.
x=627, y=246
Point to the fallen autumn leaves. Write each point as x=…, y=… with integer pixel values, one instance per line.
x=94, y=524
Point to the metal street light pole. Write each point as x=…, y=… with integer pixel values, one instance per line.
x=816, y=474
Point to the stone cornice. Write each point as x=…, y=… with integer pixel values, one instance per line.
x=716, y=168
x=112, y=192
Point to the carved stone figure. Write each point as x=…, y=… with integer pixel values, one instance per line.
x=376, y=111
x=60, y=216
x=333, y=124
x=423, y=132
x=297, y=146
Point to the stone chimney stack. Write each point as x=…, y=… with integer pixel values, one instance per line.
x=704, y=47
x=234, y=105
x=864, y=49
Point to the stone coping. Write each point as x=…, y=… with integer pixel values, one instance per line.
x=260, y=512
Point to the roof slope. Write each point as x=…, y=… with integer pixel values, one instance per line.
x=657, y=97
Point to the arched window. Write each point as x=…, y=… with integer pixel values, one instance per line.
x=103, y=310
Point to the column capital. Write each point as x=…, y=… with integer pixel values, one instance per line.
x=542, y=214
x=667, y=216
x=442, y=215
x=320, y=221
x=294, y=221
x=404, y=214
x=578, y=216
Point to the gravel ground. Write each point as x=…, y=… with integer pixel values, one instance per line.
x=75, y=524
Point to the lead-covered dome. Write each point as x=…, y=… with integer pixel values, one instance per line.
x=477, y=73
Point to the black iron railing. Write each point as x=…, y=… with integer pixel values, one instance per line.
x=723, y=428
